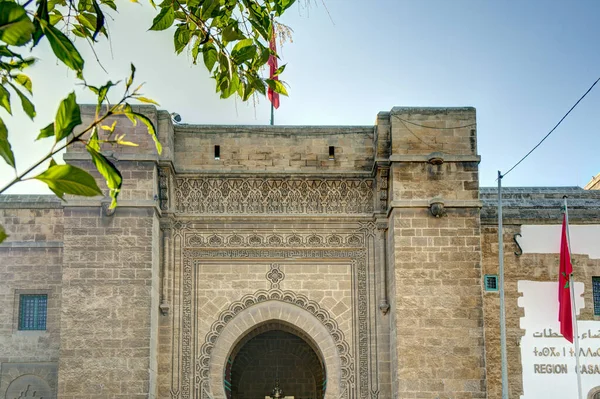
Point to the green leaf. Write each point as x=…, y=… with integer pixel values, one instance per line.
x=282, y=5
x=210, y=55
x=5, y=99
x=110, y=173
x=55, y=17
x=103, y=91
x=231, y=33
x=277, y=86
x=28, y=107
x=232, y=86
x=164, y=19
x=67, y=117
x=258, y=84
x=40, y=15
x=6, y=52
x=63, y=48
x=131, y=77
x=151, y=130
x=24, y=81
x=48, y=131
x=3, y=235
x=146, y=100
x=243, y=50
x=15, y=26
x=5, y=148
x=68, y=179
x=99, y=19
x=208, y=6
x=109, y=3
x=181, y=38
x=279, y=70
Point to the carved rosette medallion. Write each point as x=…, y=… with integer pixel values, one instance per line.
x=275, y=276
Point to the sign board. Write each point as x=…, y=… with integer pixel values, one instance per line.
x=548, y=359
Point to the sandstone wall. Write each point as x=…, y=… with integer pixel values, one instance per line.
x=273, y=149
x=110, y=275
x=437, y=323
x=528, y=206
x=30, y=263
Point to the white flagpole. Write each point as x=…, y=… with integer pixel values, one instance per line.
x=501, y=283
x=573, y=307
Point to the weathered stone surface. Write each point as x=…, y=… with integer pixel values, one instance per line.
x=336, y=267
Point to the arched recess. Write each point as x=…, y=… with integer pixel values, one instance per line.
x=276, y=350
x=594, y=393
x=306, y=323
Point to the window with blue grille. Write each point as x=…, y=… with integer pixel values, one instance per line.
x=33, y=311
x=596, y=293
x=490, y=282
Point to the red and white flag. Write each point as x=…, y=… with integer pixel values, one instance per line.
x=273, y=96
x=565, y=312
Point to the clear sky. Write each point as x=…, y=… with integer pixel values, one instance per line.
x=521, y=64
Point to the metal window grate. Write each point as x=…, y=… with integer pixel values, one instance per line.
x=596, y=294
x=491, y=282
x=32, y=312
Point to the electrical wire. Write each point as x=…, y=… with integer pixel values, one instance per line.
x=433, y=127
x=553, y=129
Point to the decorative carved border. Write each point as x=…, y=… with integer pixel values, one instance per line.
x=358, y=257
x=343, y=349
x=273, y=195
x=274, y=240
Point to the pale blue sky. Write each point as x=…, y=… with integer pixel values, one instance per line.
x=522, y=64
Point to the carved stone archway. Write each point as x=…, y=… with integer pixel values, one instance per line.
x=594, y=393
x=310, y=320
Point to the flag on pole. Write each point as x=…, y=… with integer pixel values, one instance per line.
x=273, y=96
x=565, y=313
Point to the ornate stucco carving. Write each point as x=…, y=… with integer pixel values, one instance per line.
x=235, y=196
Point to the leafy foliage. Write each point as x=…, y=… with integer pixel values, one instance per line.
x=231, y=37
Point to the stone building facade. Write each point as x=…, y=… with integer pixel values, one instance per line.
x=337, y=262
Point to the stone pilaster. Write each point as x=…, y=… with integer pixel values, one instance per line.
x=435, y=254
x=110, y=275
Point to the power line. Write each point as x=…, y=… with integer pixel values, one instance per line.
x=436, y=128
x=553, y=129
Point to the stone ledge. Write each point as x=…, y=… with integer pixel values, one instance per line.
x=425, y=158
x=230, y=174
x=100, y=202
x=425, y=204
x=430, y=110
x=29, y=201
x=278, y=130
x=84, y=156
x=31, y=244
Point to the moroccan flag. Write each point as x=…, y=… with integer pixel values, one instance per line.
x=565, y=313
x=273, y=96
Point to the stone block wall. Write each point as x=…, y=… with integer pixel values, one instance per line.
x=110, y=275
x=453, y=133
x=437, y=321
x=30, y=263
x=273, y=149
x=531, y=267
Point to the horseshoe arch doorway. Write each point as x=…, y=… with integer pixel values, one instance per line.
x=275, y=354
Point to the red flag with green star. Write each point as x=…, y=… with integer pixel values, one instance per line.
x=565, y=315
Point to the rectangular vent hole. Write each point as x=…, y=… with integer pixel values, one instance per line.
x=491, y=282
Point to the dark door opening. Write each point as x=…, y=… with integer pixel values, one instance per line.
x=264, y=359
